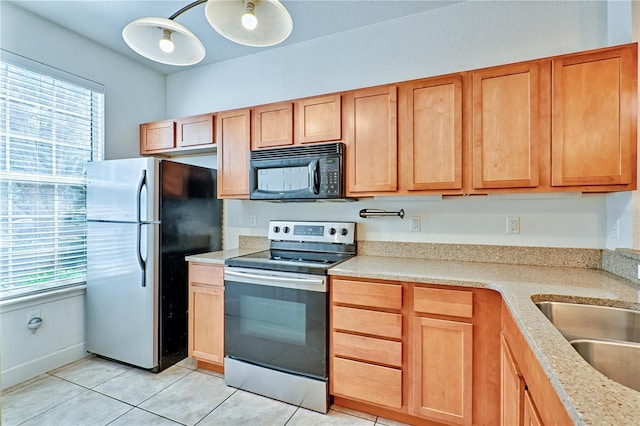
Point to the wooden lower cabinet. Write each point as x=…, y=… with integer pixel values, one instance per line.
x=419, y=354
x=527, y=396
x=442, y=370
x=206, y=315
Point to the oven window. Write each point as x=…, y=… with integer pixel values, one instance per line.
x=281, y=328
x=273, y=319
x=284, y=178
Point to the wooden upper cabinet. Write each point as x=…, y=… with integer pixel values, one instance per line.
x=431, y=134
x=272, y=125
x=318, y=119
x=506, y=126
x=157, y=136
x=234, y=138
x=195, y=131
x=594, y=118
x=371, y=136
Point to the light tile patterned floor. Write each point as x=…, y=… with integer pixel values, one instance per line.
x=94, y=391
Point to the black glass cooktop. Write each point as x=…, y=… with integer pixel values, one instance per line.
x=289, y=261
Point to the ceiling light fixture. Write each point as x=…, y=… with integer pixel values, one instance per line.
x=255, y=23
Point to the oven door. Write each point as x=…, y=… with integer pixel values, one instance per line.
x=277, y=320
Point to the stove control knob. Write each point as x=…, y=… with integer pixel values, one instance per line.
x=344, y=231
x=285, y=229
x=276, y=229
x=332, y=231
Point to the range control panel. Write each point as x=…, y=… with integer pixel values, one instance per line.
x=319, y=232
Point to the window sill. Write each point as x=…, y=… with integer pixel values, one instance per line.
x=40, y=296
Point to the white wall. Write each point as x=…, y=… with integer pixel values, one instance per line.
x=133, y=94
x=463, y=36
x=59, y=340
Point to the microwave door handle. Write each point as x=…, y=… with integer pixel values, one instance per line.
x=315, y=173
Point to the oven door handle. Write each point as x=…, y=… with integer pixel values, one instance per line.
x=313, y=284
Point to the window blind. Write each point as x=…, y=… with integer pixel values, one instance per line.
x=50, y=126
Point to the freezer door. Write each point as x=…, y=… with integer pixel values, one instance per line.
x=122, y=299
x=123, y=190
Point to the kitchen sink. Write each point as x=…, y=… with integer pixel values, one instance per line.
x=607, y=338
x=578, y=321
x=619, y=361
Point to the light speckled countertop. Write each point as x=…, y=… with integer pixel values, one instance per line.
x=218, y=257
x=589, y=397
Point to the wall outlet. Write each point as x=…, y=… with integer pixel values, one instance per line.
x=615, y=229
x=414, y=224
x=253, y=220
x=513, y=225
x=639, y=271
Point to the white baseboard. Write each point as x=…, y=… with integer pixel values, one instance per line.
x=35, y=367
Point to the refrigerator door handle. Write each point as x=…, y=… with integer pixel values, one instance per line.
x=143, y=264
x=141, y=184
x=141, y=261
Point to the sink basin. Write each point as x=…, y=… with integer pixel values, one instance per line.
x=617, y=360
x=576, y=321
x=607, y=338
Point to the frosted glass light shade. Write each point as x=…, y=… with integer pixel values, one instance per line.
x=143, y=36
x=274, y=22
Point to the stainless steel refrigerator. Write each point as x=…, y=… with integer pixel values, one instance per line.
x=144, y=216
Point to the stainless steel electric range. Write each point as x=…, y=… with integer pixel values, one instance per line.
x=277, y=312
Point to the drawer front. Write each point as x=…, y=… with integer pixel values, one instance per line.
x=383, y=324
x=375, y=295
x=437, y=301
x=206, y=274
x=367, y=382
x=367, y=349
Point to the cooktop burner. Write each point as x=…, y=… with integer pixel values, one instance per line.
x=303, y=247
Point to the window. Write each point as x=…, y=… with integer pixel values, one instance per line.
x=51, y=124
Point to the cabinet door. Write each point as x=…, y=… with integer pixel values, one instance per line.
x=372, y=140
x=442, y=370
x=234, y=138
x=530, y=412
x=272, y=125
x=511, y=388
x=195, y=131
x=206, y=313
x=593, y=120
x=157, y=136
x=318, y=119
x=432, y=137
x=506, y=126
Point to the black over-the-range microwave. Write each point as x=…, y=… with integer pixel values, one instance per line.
x=305, y=173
